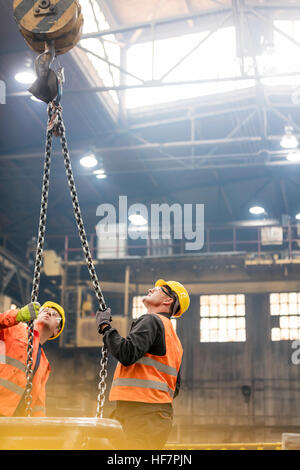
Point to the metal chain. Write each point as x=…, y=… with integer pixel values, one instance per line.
x=56, y=126
x=88, y=257
x=38, y=262
x=102, y=383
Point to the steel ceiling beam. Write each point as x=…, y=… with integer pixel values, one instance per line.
x=103, y=43
x=163, y=158
x=223, y=193
x=216, y=174
x=286, y=119
x=254, y=195
x=208, y=184
x=179, y=144
x=167, y=155
x=8, y=278
x=134, y=37
x=155, y=146
x=246, y=160
x=190, y=16
x=158, y=22
x=284, y=195
x=11, y=260
x=278, y=30
x=189, y=9
x=195, y=116
x=110, y=64
x=157, y=83
x=202, y=41
x=234, y=130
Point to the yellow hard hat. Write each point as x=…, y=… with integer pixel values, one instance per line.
x=183, y=296
x=59, y=310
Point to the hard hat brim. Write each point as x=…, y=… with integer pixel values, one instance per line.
x=160, y=283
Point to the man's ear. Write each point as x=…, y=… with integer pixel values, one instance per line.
x=56, y=331
x=168, y=301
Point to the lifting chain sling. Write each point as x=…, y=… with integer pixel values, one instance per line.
x=56, y=126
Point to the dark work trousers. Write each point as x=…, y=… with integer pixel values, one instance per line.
x=145, y=425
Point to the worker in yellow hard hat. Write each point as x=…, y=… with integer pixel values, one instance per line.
x=52, y=309
x=49, y=322
x=147, y=376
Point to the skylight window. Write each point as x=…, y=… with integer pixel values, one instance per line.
x=180, y=59
x=207, y=57
x=283, y=58
x=188, y=66
x=104, y=52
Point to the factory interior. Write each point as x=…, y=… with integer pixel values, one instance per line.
x=169, y=149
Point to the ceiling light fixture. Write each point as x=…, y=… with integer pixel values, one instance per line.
x=88, y=161
x=289, y=140
x=26, y=78
x=293, y=156
x=100, y=173
x=257, y=210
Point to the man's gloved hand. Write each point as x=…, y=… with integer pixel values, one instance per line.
x=28, y=313
x=103, y=318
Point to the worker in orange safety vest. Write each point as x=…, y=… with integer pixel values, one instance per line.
x=49, y=321
x=147, y=376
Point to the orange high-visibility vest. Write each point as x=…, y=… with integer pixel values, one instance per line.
x=13, y=357
x=151, y=379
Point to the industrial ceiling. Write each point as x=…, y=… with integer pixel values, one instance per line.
x=220, y=150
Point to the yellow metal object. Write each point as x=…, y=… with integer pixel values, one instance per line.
x=43, y=21
x=60, y=434
x=183, y=296
x=60, y=310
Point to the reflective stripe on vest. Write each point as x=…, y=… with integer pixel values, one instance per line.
x=143, y=384
x=12, y=386
x=148, y=361
x=8, y=384
x=12, y=362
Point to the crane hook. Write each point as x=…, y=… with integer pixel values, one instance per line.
x=46, y=86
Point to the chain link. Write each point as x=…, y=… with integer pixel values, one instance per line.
x=56, y=126
x=28, y=389
x=102, y=383
x=88, y=257
x=38, y=262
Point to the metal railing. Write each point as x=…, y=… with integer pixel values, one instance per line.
x=222, y=239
